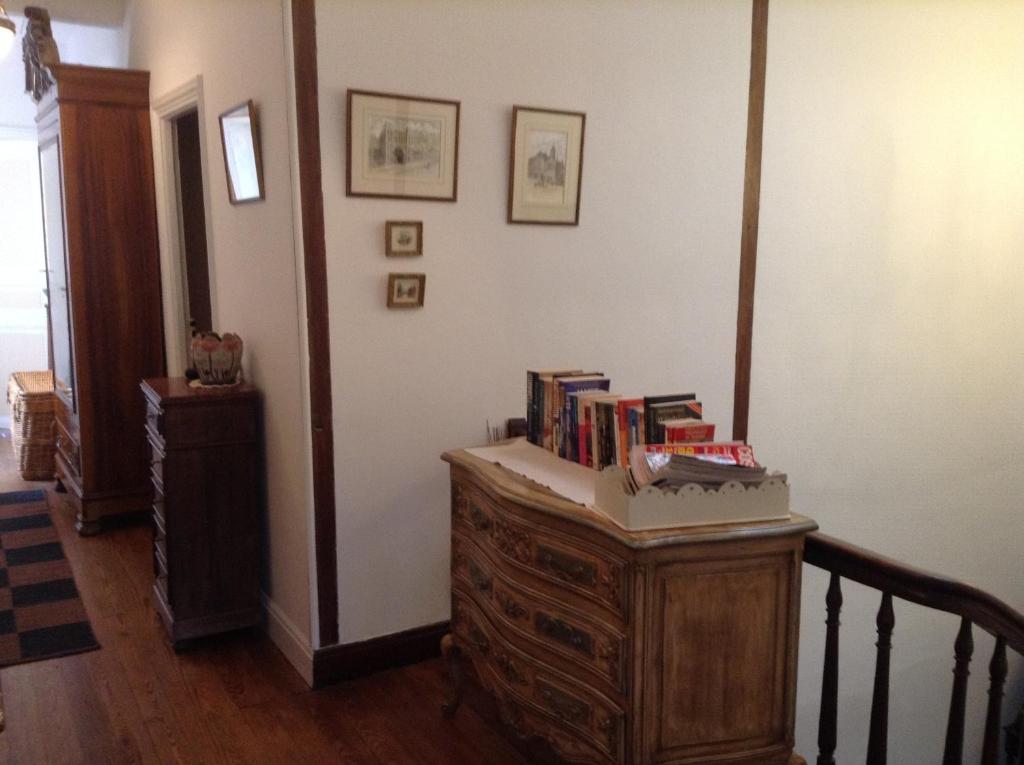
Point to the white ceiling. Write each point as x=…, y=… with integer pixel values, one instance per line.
x=100, y=13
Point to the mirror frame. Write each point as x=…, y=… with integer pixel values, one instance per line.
x=257, y=152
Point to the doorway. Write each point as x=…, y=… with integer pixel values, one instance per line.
x=191, y=204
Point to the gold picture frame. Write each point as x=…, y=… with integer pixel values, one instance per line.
x=406, y=290
x=403, y=237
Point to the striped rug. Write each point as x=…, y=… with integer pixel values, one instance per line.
x=41, y=614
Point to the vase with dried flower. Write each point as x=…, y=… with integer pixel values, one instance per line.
x=217, y=358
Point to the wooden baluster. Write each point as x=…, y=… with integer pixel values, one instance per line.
x=878, y=737
x=963, y=649
x=997, y=676
x=1014, y=736
x=830, y=675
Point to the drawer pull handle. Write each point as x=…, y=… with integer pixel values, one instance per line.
x=480, y=580
x=563, y=705
x=480, y=520
x=566, y=567
x=564, y=633
x=479, y=639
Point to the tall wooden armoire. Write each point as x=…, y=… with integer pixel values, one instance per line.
x=103, y=282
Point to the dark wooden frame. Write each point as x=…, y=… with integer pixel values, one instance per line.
x=393, y=278
x=315, y=256
x=348, y=146
x=390, y=225
x=751, y=217
x=256, y=148
x=307, y=107
x=512, y=164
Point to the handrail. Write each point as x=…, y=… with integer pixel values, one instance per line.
x=894, y=579
x=917, y=586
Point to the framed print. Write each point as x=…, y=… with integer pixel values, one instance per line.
x=403, y=237
x=402, y=147
x=546, y=167
x=243, y=162
x=406, y=290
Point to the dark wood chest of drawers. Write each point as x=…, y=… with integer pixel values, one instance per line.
x=674, y=646
x=207, y=479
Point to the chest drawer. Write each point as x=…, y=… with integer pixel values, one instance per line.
x=543, y=626
x=573, y=569
x=563, y=701
x=68, y=448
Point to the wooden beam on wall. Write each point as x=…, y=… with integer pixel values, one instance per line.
x=751, y=216
x=307, y=106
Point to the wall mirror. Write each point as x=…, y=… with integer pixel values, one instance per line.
x=239, y=134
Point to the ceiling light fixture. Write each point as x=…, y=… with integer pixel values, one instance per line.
x=7, y=32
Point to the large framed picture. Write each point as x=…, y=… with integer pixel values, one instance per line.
x=402, y=147
x=240, y=139
x=546, y=168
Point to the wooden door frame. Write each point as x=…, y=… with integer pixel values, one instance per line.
x=751, y=219
x=166, y=109
x=314, y=246
x=303, y=18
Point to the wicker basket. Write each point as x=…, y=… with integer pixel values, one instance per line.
x=32, y=401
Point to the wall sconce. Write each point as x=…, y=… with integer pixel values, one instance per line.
x=7, y=32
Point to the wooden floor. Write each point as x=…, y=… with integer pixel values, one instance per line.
x=233, y=699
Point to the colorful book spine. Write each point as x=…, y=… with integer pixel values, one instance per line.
x=651, y=435
x=567, y=423
x=622, y=407
x=726, y=453
x=696, y=430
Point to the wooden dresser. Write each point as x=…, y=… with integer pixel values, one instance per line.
x=103, y=281
x=674, y=646
x=207, y=501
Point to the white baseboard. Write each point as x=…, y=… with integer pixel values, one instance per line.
x=282, y=631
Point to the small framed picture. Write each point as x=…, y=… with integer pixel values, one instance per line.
x=403, y=237
x=240, y=139
x=546, y=167
x=406, y=290
x=402, y=147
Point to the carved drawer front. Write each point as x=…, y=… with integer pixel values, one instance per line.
x=571, y=705
x=598, y=646
x=586, y=572
x=588, y=644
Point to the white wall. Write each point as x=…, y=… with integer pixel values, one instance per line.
x=22, y=307
x=644, y=289
x=239, y=49
x=887, y=354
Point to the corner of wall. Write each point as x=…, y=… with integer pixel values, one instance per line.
x=288, y=638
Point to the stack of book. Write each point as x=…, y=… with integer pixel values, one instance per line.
x=708, y=465
x=574, y=414
x=657, y=440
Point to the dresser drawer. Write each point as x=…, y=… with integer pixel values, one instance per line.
x=69, y=449
x=540, y=622
x=574, y=570
x=208, y=425
x=155, y=423
x=161, y=586
x=562, y=700
x=158, y=511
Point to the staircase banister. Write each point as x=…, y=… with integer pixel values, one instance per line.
x=916, y=585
